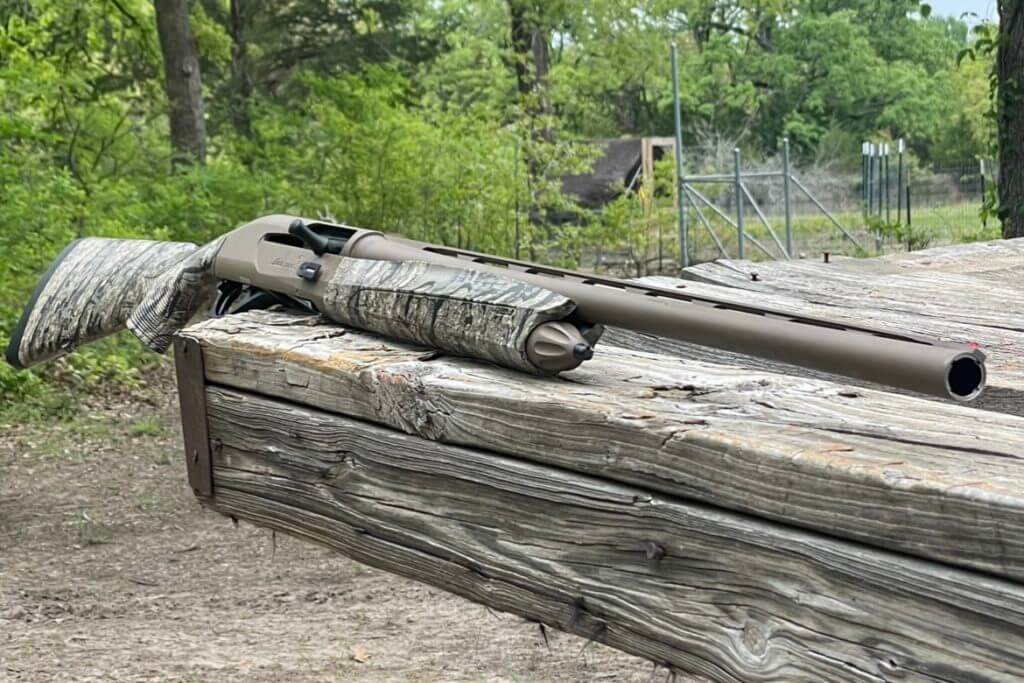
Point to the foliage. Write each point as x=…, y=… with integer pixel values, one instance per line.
x=913, y=237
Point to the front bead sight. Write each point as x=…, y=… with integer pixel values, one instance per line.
x=557, y=346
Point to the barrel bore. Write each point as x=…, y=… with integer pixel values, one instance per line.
x=966, y=378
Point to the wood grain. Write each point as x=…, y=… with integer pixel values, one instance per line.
x=925, y=478
x=694, y=588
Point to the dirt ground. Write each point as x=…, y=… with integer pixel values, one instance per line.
x=110, y=570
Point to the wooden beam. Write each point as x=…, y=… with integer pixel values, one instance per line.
x=685, y=585
x=974, y=291
x=661, y=142
x=925, y=478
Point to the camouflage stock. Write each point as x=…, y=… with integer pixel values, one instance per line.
x=88, y=293
x=100, y=286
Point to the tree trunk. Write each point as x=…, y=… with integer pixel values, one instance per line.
x=530, y=46
x=240, y=68
x=532, y=58
x=1010, y=72
x=183, y=82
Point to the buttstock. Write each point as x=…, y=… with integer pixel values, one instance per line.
x=88, y=293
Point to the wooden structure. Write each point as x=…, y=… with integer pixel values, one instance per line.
x=716, y=519
x=620, y=163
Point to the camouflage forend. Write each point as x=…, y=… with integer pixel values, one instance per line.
x=458, y=311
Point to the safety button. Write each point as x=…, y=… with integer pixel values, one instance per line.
x=309, y=271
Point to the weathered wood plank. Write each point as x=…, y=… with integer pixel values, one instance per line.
x=716, y=593
x=862, y=285
x=925, y=478
x=997, y=257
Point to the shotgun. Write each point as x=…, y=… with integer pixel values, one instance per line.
x=520, y=315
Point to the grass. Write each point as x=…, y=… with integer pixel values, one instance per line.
x=59, y=390
x=167, y=457
x=148, y=427
x=91, y=532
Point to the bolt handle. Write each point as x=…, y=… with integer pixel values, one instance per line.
x=318, y=244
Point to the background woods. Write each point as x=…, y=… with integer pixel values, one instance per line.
x=448, y=121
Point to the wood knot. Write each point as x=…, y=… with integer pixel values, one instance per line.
x=754, y=639
x=336, y=470
x=653, y=551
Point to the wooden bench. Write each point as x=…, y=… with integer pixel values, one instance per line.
x=716, y=519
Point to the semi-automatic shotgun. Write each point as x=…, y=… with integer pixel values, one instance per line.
x=521, y=315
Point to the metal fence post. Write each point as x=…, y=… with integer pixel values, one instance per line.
x=864, y=178
x=871, y=177
x=515, y=185
x=684, y=253
x=881, y=155
x=908, y=205
x=786, y=190
x=739, y=202
x=981, y=168
x=900, y=148
x=886, y=157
